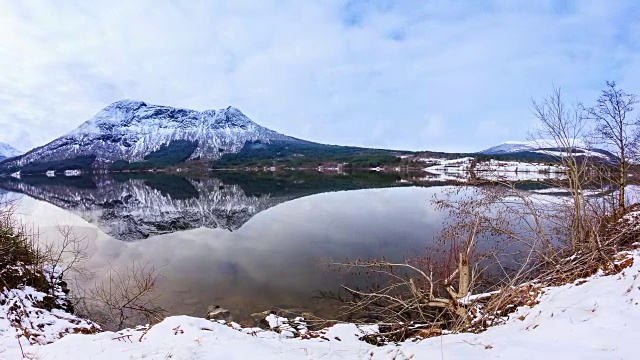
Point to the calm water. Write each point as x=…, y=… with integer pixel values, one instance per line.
x=247, y=243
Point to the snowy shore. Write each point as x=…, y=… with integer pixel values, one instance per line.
x=594, y=319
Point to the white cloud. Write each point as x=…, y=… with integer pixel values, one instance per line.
x=434, y=127
x=358, y=72
x=491, y=129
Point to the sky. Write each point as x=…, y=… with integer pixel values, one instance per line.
x=416, y=75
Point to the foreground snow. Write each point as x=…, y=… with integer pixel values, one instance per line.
x=594, y=319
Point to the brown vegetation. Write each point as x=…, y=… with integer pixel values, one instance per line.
x=538, y=239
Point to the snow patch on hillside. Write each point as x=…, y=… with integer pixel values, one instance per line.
x=7, y=151
x=460, y=170
x=519, y=146
x=584, y=152
x=29, y=316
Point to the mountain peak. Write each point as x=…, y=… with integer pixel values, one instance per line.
x=126, y=104
x=233, y=109
x=7, y=151
x=508, y=147
x=130, y=130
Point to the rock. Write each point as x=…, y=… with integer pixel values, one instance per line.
x=295, y=316
x=287, y=327
x=215, y=312
x=260, y=315
x=260, y=319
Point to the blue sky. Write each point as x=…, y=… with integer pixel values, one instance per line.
x=437, y=75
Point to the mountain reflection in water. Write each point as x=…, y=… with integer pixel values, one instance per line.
x=247, y=242
x=273, y=260
x=133, y=206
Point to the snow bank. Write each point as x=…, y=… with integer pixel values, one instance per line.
x=28, y=315
x=594, y=319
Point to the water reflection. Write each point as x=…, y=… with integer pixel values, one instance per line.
x=136, y=206
x=247, y=242
x=273, y=256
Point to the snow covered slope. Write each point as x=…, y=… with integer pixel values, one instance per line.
x=594, y=319
x=509, y=147
x=129, y=130
x=7, y=151
x=544, y=147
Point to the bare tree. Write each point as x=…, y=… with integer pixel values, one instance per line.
x=506, y=241
x=563, y=128
x=617, y=130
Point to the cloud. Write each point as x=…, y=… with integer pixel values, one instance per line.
x=347, y=72
x=434, y=126
x=491, y=129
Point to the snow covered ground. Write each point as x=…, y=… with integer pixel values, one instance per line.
x=461, y=164
x=517, y=166
x=460, y=170
x=518, y=171
x=594, y=319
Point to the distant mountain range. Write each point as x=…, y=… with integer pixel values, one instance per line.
x=7, y=151
x=133, y=135
x=545, y=148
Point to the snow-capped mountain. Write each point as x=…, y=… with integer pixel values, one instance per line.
x=7, y=151
x=130, y=130
x=533, y=145
x=546, y=148
x=509, y=147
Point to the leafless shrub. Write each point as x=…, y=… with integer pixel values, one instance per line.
x=616, y=233
x=123, y=297
x=414, y=295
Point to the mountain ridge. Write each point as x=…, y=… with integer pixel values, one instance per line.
x=545, y=147
x=133, y=135
x=130, y=130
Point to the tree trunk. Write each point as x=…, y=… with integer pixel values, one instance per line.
x=623, y=183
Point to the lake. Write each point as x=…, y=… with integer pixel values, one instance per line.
x=246, y=242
